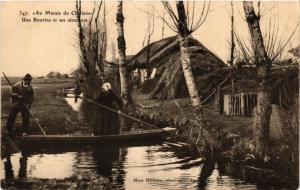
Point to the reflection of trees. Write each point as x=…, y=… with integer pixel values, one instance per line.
x=207, y=169
x=109, y=161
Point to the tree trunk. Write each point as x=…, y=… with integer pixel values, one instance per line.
x=263, y=110
x=187, y=71
x=262, y=115
x=186, y=63
x=255, y=33
x=231, y=59
x=163, y=27
x=125, y=93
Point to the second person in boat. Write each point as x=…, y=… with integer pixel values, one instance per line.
x=107, y=121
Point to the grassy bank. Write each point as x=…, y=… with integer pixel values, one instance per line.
x=50, y=109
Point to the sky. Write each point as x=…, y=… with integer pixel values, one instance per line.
x=38, y=48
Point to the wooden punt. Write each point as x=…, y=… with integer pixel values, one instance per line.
x=133, y=136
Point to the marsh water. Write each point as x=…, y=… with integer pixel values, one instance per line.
x=162, y=166
x=165, y=165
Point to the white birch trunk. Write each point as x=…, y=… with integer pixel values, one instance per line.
x=125, y=93
x=187, y=71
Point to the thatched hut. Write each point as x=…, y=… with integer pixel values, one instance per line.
x=232, y=91
x=159, y=66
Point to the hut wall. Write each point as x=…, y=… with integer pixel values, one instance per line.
x=241, y=104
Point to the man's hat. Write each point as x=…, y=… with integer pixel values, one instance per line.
x=28, y=77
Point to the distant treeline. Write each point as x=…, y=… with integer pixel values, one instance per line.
x=39, y=79
x=55, y=74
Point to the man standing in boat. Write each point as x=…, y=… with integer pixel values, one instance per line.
x=22, y=98
x=107, y=121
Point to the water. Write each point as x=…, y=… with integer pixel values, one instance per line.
x=163, y=166
x=74, y=104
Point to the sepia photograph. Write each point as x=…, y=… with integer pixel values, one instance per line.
x=152, y=95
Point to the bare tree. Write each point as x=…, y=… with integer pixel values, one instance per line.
x=102, y=42
x=92, y=44
x=150, y=33
x=125, y=92
x=150, y=27
x=185, y=24
x=231, y=60
x=232, y=44
x=81, y=38
x=113, y=53
x=262, y=53
x=263, y=64
x=147, y=38
x=163, y=26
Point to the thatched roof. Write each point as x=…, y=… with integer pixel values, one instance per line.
x=164, y=55
x=168, y=50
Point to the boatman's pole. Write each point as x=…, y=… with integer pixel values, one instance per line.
x=36, y=121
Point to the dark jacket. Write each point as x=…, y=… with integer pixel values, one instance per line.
x=110, y=100
x=22, y=94
x=107, y=121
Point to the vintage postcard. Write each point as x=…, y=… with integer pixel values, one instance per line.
x=149, y=94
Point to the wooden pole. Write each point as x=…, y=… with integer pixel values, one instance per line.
x=247, y=104
x=242, y=104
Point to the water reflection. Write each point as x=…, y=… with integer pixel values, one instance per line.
x=23, y=165
x=9, y=173
x=42, y=166
x=164, y=166
x=212, y=170
x=108, y=161
x=206, y=171
x=8, y=167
